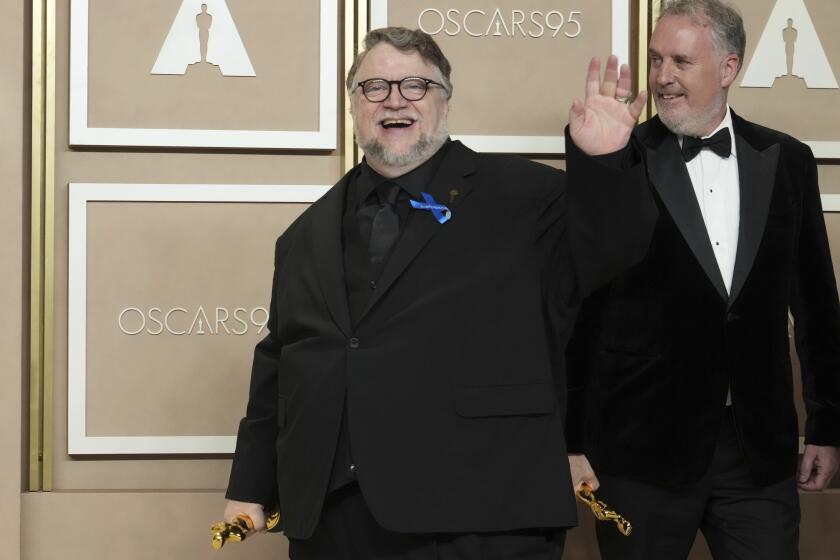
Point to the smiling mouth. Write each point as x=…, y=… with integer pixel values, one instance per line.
x=397, y=123
x=669, y=96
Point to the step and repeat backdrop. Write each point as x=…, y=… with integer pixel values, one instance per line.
x=191, y=133
x=168, y=280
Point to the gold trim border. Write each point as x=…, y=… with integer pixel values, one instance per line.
x=355, y=28
x=348, y=146
x=642, y=70
x=42, y=249
x=36, y=273
x=655, y=8
x=362, y=23
x=49, y=253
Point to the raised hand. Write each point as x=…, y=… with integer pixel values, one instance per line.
x=602, y=124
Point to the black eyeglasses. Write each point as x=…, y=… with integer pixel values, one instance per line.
x=378, y=90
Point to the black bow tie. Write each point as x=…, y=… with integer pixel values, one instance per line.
x=720, y=143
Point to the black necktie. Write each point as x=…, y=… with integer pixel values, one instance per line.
x=384, y=222
x=720, y=143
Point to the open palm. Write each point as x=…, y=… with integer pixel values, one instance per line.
x=604, y=121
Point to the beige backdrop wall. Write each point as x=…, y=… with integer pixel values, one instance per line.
x=12, y=238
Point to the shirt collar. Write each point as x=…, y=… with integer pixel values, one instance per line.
x=414, y=182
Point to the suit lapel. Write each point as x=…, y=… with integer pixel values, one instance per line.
x=756, y=174
x=456, y=165
x=328, y=253
x=671, y=180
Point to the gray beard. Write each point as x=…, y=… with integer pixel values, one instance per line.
x=423, y=149
x=696, y=125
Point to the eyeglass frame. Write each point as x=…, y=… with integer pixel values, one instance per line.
x=399, y=87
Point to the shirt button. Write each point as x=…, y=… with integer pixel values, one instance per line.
x=354, y=343
x=352, y=469
x=372, y=285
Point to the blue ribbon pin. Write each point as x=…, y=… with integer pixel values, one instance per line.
x=439, y=211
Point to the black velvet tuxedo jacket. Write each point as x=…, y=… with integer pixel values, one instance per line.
x=656, y=349
x=454, y=375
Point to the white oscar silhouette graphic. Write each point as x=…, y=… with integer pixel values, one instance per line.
x=790, y=46
x=203, y=32
x=204, y=22
x=789, y=34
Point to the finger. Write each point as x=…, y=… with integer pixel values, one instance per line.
x=807, y=467
x=824, y=468
x=576, y=111
x=594, y=483
x=593, y=77
x=608, y=86
x=624, y=82
x=808, y=486
x=638, y=105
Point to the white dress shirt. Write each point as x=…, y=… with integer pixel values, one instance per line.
x=715, y=181
x=718, y=191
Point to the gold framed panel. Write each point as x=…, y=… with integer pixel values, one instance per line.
x=152, y=344
x=158, y=76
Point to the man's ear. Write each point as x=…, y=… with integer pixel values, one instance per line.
x=729, y=69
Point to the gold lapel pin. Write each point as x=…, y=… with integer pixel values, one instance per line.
x=453, y=194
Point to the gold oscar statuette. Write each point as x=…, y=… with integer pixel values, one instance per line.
x=223, y=532
x=602, y=511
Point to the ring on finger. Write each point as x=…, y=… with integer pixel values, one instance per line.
x=625, y=98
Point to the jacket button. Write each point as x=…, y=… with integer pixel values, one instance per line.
x=732, y=317
x=372, y=284
x=354, y=343
x=352, y=469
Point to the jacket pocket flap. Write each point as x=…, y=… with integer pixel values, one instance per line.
x=281, y=411
x=505, y=400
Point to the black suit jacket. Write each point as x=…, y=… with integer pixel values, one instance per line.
x=454, y=374
x=656, y=349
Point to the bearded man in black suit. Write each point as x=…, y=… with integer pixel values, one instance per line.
x=681, y=395
x=409, y=399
